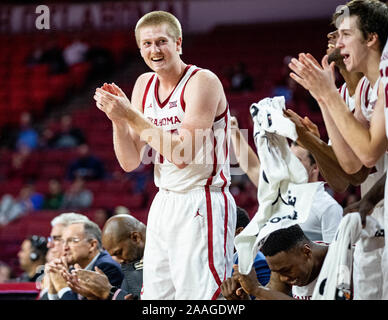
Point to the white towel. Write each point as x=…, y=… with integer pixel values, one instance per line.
x=335, y=277
x=368, y=265
x=284, y=195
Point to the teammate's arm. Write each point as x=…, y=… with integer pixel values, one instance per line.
x=368, y=202
x=251, y=166
x=368, y=144
x=325, y=157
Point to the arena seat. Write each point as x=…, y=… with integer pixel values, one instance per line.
x=19, y=291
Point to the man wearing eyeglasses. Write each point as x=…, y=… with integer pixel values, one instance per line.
x=81, y=247
x=55, y=246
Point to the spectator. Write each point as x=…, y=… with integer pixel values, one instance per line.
x=68, y=135
x=53, y=56
x=32, y=257
x=75, y=52
x=5, y=272
x=241, y=80
x=83, y=250
x=124, y=238
x=27, y=200
x=86, y=166
x=54, y=198
x=101, y=59
x=27, y=136
x=121, y=210
x=20, y=161
x=77, y=197
x=55, y=245
x=101, y=215
x=141, y=176
x=287, y=87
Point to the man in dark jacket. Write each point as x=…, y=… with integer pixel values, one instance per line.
x=83, y=250
x=123, y=237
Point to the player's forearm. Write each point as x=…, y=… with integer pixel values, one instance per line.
x=125, y=148
x=376, y=193
x=329, y=166
x=345, y=155
x=246, y=157
x=354, y=133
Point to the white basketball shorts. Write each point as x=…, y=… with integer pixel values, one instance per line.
x=189, y=244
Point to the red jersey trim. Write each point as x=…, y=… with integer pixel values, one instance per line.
x=183, y=103
x=362, y=86
x=366, y=96
x=162, y=104
x=146, y=91
x=219, y=117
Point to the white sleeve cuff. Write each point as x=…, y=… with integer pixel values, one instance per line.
x=42, y=292
x=52, y=296
x=63, y=291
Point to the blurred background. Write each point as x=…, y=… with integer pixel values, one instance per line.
x=56, y=151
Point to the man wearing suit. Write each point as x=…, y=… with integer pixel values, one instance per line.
x=83, y=250
x=123, y=237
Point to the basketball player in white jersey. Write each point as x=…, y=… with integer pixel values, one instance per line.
x=191, y=223
x=348, y=88
x=295, y=262
x=360, y=139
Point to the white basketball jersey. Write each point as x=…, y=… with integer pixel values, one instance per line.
x=306, y=292
x=368, y=99
x=211, y=165
x=349, y=100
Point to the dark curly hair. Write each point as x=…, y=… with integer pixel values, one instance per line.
x=283, y=240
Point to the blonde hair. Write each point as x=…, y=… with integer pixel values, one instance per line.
x=155, y=18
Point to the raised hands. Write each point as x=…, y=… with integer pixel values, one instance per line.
x=113, y=101
x=90, y=284
x=318, y=80
x=302, y=125
x=55, y=270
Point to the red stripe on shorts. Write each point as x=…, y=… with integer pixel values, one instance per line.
x=210, y=235
x=216, y=294
x=226, y=217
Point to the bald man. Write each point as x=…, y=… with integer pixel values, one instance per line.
x=123, y=236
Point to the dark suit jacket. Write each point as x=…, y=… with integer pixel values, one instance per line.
x=133, y=280
x=106, y=264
